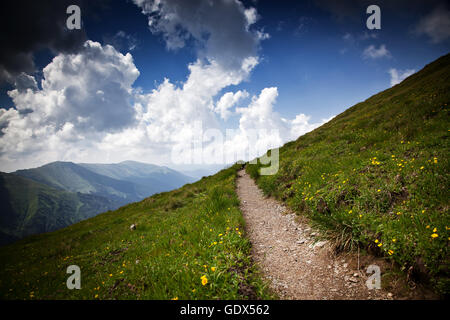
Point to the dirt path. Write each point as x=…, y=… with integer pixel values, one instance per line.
x=290, y=257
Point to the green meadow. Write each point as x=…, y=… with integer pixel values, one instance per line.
x=376, y=177
x=188, y=244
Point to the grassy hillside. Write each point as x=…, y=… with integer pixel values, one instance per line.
x=28, y=207
x=377, y=175
x=188, y=244
x=75, y=178
x=59, y=194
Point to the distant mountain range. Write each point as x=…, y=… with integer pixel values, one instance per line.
x=59, y=194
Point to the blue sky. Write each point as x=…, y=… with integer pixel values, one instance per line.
x=319, y=56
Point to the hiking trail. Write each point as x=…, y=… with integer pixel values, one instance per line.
x=296, y=263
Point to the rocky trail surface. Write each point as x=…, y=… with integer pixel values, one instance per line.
x=293, y=259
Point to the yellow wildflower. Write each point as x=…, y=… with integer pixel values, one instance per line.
x=434, y=235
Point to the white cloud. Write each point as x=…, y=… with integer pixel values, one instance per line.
x=371, y=52
x=89, y=89
x=87, y=110
x=220, y=28
x=251, y=15
x=227, y=101
x=398, y=76
x=273, y=129
x=82, y=97
x=436, y=25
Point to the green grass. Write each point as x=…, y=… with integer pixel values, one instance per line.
x=377, y=175
x=28, y=207
x=181, y=236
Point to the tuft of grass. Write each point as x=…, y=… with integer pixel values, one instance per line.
x=182, y=237
x=377, y=175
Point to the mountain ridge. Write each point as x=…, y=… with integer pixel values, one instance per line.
x=68, y=192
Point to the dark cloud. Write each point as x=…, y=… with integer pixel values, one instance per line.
x=23, y=82
x=28, y=26
x=221, y=28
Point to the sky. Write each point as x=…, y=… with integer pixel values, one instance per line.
x=190, y=83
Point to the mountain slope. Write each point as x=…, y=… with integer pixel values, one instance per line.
x=28, y=207
x=377, y=175
x=75, y=178
x=59, y=194
x=354, y=177
x=123, y=182
x=148, y=178
x=187, y=244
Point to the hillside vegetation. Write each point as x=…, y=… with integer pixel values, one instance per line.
x=188, y=244
x=122, y=183
x=374, y=177
x=59, y=194
x=377, y=176
x=28, y=207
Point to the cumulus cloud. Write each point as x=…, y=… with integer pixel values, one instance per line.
x=398, y=76
x=435, y=25
x=82, y=96
x=86, y=109
x=371, y=52
x=227, y=101
x=221, y=29
x=262, y=128
x=90, y=89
